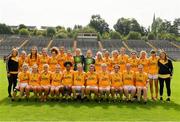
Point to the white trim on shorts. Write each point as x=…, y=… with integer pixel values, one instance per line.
x=129, y=87
x=153, y=77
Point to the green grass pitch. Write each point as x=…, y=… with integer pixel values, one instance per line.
x=90, y=111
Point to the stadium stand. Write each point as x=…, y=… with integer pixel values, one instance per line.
x=67, y=43
x=113, y=44
x=7, y=42
x=40, y=42
x=88, y=43
x=138, y=45
x=172, y=51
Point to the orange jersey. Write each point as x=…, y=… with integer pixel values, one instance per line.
x=114, y=61
x=108, y=62
x=153, y=65
x=45, y=78
x=53, y=61
x=23, y=77
x=141, y=78
x=79, y=78
x=145, y=63
x=43, y=60
x=32, y=60
x=70, y=59
x=116, y=79
x=91, y=79
x=21, y=61
x=62, y=60
x=134, y=63
x=67, y=79
x=56, y=79
x=34, y=79
x=98, y=65
x=128, y=78
x=104, y=79
x=123, y=59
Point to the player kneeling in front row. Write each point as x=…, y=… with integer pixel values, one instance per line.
x=45, y=82
x=56, y=84
x=78, y=85
x=116, y=83
x=129, y=83
x=23, y=78
x=91, y=82
x=141, y=79
x=34, y=82
x=104, y=82
x=67, y=80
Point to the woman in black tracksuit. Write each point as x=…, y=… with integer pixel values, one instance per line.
x=12, y=70
x=165, y=74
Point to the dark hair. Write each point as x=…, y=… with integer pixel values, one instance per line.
x=54, y=49
x=35, y=53
x=164, y=54
x=153, y=51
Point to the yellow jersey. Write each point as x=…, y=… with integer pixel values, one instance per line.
x=141, y=78
x=98, y=64
x=32, y=60
x=116, y=79
x=56, y=79
x=53, y=61
x=23, y=77
x=108, y=62
x=128, y=78
x=67, y=79
x=123, y=59
x=79, y=78
x=91, y=79
x=62, y=60
x=43, y=60
x=153, y=65
x=145, y=63
x=34, y=79
x=104, y=79
x=134, y=63
x=45, y=78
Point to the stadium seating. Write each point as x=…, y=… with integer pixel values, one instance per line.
x=67, y=43
x=85, y=44
x=40, y=42
x=138, y=45
x=172, y=51
x=7, y=42
x=113, y=44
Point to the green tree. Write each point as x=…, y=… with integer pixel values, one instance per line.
x=21, y=26
x=134, y=35
x=115, y=35
x=174, y=28
x=125, y=25
x=24, y=32
x=50, y=32
x=4, y=29
x=99, y=24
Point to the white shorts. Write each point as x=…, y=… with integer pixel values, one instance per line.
x=23, y=85
x=104, y=88
x=92, y=87
x=129, y=87
x=78, y=87
x=153, y=77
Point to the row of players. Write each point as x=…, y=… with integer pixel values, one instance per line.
x=120, y=58
x=104, y=84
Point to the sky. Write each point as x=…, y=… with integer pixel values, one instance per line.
x=70, y=12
